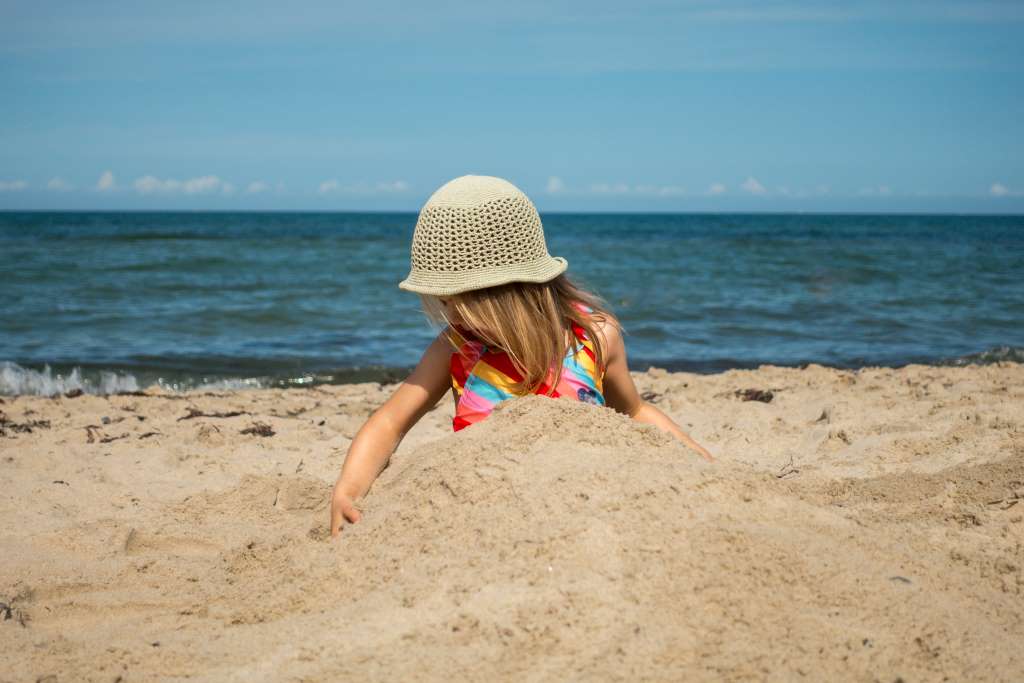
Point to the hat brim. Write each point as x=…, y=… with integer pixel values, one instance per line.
x=448, y=284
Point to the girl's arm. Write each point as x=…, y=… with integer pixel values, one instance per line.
x=620, y=392
x=378, y=438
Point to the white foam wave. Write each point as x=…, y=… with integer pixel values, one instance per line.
x=16, y=380
x=230, y=385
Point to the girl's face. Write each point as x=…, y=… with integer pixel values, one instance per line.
x=454, y=318
x=449, y=310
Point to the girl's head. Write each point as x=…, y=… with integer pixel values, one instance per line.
x=480, y=262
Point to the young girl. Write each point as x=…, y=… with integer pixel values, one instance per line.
x=515, y=325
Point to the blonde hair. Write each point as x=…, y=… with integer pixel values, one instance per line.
x=530, y=321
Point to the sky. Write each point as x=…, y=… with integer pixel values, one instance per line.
x=872, y=106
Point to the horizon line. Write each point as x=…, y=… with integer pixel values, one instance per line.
x=551, y=212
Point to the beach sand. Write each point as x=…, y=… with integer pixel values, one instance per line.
x=862, y=525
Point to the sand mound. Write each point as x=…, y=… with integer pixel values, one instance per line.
x=554, y=540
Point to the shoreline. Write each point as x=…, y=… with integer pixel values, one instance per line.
x=874, y=516
x=61, y=378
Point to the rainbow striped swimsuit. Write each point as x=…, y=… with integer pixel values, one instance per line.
x=483, y=377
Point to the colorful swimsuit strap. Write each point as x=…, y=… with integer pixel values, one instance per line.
x=483, y=377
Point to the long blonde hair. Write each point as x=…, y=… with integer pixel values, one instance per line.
x=531, y=322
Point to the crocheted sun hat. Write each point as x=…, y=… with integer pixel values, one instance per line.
x=475, y=232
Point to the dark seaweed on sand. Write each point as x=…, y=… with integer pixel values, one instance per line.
x=26, y=427
x=259, y=429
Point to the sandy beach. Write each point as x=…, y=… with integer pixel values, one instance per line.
x=858, y=525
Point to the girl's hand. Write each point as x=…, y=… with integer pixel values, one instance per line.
x=376, y=440
x=342, y=508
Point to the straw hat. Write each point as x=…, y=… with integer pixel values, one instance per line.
x=475, y=232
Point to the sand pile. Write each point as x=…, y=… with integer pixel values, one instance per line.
x=555, y=540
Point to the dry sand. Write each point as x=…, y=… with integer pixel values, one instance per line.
x=860, y=526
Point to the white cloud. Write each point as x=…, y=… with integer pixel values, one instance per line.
x=752, y=186
x=257, y=187
x=106, y=183
x=878, y=191
x=642, y=190
x=998, y=190
x=801, y=192
x=716, y=189
x=202, y=185
x=12, y=185
x=329, y=186
x=150, y=184
x=58, y=184
x=391, y=187
x=660, y=190
x=394, y=186
x=555, y=185
x=605, y=188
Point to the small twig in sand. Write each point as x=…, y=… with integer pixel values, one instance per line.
x=447, y=487
x=787, y=469
x=108, y=439
x=93, y=433
x=1005, y=503
x=195, y=412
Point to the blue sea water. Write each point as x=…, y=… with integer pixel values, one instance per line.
x=113, y=301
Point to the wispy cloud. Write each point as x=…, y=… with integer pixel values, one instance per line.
x=106, y=183
x=660, y=190
x=58, y=184
x=555, y=185
x=999, y=190
x=753, y=186
x=716, y=189
x=606, y=188
x=877, y=191
x=329, y=186
x=207, y=184
x=640, y=190
x=257, y=187
x=800, y=192
x=393, y=186
x=12, y=185
x=333, y=186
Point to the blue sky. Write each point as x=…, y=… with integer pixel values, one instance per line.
x=600, y=106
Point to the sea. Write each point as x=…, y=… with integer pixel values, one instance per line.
x=113, y=302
